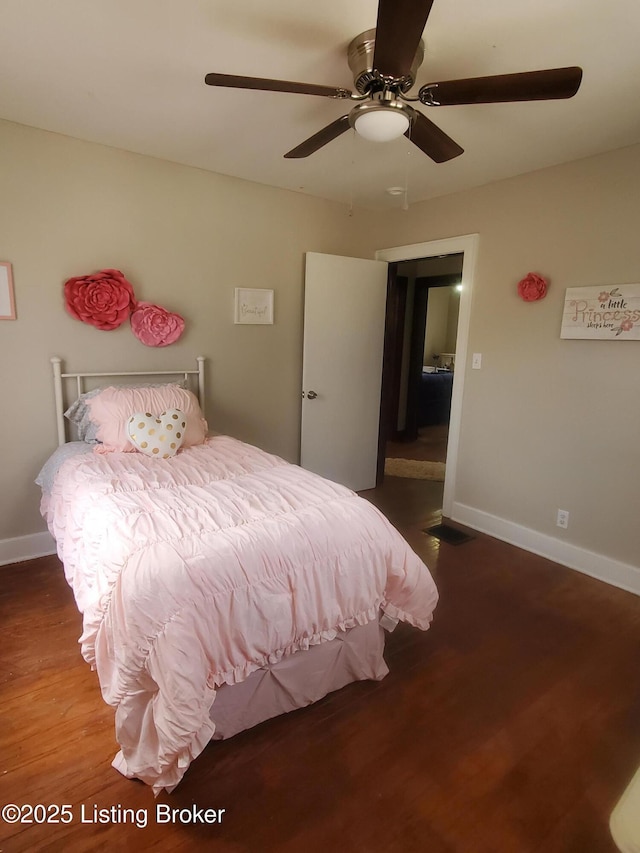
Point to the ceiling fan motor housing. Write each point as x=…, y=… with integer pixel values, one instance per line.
x=368, y=79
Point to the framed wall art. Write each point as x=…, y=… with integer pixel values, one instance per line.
x=253, y=306
x=605, y=312
x=7, y=298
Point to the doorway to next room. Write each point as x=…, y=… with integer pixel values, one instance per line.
x=422, y=325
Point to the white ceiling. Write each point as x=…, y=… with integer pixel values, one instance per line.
x=130, y=74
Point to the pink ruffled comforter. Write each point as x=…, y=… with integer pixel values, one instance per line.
x=195, y=571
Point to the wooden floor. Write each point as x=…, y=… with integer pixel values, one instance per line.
x=430, y=446
x=512, y=726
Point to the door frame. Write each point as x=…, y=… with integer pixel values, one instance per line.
x=391, y=363
x=468, y=245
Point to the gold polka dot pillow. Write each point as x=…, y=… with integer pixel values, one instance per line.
x=157, y=435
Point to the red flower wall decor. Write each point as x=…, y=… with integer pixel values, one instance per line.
x=103, y=299
x=532, y=287
x=155, y=326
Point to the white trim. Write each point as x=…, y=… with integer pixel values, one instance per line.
x=623, y=575
x=468, y=245
x=29, y=547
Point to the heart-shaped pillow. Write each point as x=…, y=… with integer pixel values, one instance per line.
x=157, y=435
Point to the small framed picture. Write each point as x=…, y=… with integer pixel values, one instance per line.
x=7, y=300
x=253, y=306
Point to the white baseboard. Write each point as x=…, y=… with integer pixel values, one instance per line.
x=614, y=572
x=22, y=548
x=619, y=574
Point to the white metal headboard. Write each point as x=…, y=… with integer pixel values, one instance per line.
x=59, y=376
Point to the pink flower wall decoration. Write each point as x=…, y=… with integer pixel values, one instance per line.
x=155, y=326
x=532, y=287
x=103, y=299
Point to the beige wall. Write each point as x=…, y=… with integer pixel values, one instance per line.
x=184, y=238
x=547, y=423
x=453, y=316
x=443, y=308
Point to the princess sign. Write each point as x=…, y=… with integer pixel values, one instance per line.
x=602, y=313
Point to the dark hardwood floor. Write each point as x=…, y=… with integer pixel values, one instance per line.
x=512, y=726
x=430, y=445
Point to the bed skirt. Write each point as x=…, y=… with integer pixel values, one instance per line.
x=300, y=679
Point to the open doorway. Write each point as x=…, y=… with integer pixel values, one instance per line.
x=424, y=366
x=465, y=248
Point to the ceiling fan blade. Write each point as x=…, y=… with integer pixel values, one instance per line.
x=234, y=82
x=398, y=31
x=431, y=140
x=503, y=88
x=313, y=143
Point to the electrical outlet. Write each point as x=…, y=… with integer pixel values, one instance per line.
x=563, y=518
x=476, y=361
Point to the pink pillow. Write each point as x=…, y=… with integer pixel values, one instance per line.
x=111, y=409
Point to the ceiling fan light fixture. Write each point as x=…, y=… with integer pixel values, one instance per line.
x=380, y=121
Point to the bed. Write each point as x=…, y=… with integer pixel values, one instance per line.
x=219, y=585
x=434, y=400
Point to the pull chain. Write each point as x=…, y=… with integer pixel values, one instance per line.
x=405, y=201
x=352, y=170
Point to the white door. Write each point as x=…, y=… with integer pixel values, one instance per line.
x=344, y=318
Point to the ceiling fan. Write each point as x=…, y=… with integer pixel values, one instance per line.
x=384, y=62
